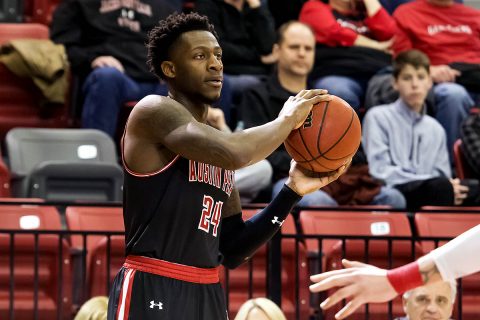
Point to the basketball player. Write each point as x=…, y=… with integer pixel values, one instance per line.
x=362, y=283
x=181, y=209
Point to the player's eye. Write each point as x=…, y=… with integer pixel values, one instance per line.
x=199, y=56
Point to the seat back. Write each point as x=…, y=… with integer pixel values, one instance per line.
x=75, y=154
x=19, y=97
x=462, y=167
x=11, y=11
x=48, y=255
x=250, y=279
x=103, y=257
x=39, y=11
x=328, y=253
x=451, y=225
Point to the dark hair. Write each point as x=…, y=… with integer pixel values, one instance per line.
x=161, y=37
x=413, y=57
x=284, y=27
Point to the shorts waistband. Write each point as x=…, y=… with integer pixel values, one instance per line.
x=173, y=270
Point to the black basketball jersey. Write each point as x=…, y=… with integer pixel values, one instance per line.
x=174, y=214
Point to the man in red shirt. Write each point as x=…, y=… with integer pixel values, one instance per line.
x=449, y=33
x=353, y=43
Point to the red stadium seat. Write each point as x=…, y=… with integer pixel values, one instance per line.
x=452, y=225
x=54, y=292
x=99, y=265
x=18, y=96
x=39, y=11
x=462, y=167
x=372, y=224
x=238, y=279
x=4, y=180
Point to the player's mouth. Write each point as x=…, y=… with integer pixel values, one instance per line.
x=215, y=82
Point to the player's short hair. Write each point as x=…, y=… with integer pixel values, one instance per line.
x=162, y=36
x=415, y=58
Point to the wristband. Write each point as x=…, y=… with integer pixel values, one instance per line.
x=405, y=278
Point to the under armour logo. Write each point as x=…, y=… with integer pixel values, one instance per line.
x=153, y=304
x=275, y=220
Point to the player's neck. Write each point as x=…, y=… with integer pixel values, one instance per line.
x=198, y=109
x=291, y=82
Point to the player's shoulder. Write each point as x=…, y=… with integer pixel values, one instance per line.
x=155, y=104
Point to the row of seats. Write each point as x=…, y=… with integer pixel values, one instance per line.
x=91, y=262
x=61, y=165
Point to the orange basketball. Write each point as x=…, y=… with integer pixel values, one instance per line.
x=328, y=138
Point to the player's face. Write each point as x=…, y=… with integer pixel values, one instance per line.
x=413, y=85
x=297, y=50
x=197, y=59
x=432, y=302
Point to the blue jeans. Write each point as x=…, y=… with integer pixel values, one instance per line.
x=106, y=90
x=387, y=196
x=452, y=104
x=349, y=89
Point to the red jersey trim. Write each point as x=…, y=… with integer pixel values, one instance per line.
x=173, y=270
x=125, y=295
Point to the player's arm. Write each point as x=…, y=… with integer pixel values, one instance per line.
x=240, y=239
x=164, y=122
x=363, y=283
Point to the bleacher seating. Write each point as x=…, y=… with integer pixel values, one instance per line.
x=99, y=265
x=238, y=281
x=462, y=167
x=18, y=96
x=64, y=164
x=54, y=274
x=355, y=223
x=451, y=225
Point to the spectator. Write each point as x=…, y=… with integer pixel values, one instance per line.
x=105, y=44
x=260, y=309
x=449, y=34
x=407, y=148
x=295, y=54
x=354, y=39
x=93, y=309
x=470, y=135
x=247, y=32
x=249, y=180
x=432, y=301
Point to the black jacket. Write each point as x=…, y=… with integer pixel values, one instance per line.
x=262, y=104
x=88, y=30
x=244, y=36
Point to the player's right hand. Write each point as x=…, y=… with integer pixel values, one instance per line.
x=299, y=106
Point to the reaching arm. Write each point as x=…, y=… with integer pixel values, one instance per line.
x=364, y=283
x=240, y=239
x=163, y=122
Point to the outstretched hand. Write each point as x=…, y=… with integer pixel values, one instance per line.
x=359, y=283
x=303, y=181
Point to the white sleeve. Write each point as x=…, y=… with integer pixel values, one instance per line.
x=459, y=257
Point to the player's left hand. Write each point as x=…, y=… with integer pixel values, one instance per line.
x=303, y=181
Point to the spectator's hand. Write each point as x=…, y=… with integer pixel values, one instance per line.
x=443, y=73
x=460, y=191
x=216, y=118
x=386, y=46
x=269, y=59
x=303, y=181
x=299, y=107
x=107, y=61
x=253, y=3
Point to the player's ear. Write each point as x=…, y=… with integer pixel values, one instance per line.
x=168, y=69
